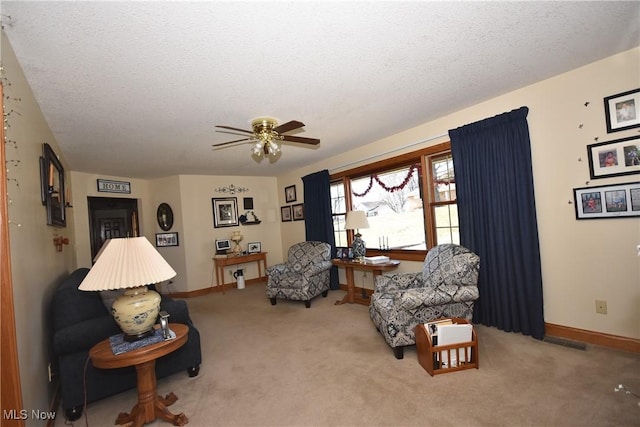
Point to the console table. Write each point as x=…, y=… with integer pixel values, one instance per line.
x=221, y=263
x=150, y=406
x=349, y=266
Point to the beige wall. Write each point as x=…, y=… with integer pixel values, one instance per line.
x=36, y=266
x=196, y=192
x=581, y=260
x=190, y=199
x=85, y=185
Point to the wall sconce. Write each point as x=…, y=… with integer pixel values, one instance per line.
x=58, y=241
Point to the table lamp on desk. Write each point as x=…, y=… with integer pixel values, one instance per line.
x=130, y=263
x=355, y=221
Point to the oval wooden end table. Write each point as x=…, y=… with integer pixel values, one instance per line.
x=150, y=405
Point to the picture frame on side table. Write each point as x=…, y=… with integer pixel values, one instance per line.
x=254, y=247
x=298, y=212
x=285, y=213
x=290, y=194
x=225, y=211
x=614, y=158
x=622, y=111
x=607, y=201
x=167, y=239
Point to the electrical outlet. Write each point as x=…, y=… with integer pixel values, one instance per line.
x=601, y=306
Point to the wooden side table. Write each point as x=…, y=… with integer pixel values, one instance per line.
x=349, y=266
x=150, y=406
x=221, y=263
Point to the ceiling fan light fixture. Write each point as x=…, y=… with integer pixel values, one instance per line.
x=266, y=135
x=271, y=148
x=257, y=149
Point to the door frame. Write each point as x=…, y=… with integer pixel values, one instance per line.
x=10, y=385
x=96, y=204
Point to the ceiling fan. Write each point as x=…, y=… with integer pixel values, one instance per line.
x=266, y=135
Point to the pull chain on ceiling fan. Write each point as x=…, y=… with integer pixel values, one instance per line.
x=266, y=136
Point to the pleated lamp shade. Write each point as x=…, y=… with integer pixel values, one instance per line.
x=130, y=263
x=127, y=262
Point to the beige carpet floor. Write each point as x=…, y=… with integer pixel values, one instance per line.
x=287, y=365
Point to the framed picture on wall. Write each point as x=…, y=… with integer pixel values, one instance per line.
x=607, y=201
x=167, y=239
x=225, y=212
x=285, y=212
x=290, y=194
x=614, y=158
x=622, y=111
x=298, y=212
x=53, y=187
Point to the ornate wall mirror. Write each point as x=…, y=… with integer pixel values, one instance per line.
x=165, y=217
x=52, y=184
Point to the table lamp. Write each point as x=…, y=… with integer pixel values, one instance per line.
x=130, y=263
x=236, y=237
x=355, y=221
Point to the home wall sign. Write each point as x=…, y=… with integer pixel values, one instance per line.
x=108, y=186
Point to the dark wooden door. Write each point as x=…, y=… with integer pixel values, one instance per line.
x=111, y=218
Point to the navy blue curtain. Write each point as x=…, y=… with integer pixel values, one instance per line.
x=497, y=214
x=318, y=222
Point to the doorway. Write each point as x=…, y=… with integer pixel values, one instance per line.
x=111, y=218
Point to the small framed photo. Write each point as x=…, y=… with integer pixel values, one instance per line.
x=167, y=239
x=290, y=194
x=225, y=212
x=622, y=111
x=607, y=201
x=298, y=212
x=614, y=158
x=285, y=212
x=254, y=247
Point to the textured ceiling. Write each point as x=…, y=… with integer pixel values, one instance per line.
x=135, y=88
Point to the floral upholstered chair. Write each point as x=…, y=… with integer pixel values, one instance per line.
x=303, y=276
x=446, y=287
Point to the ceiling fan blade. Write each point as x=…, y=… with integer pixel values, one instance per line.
x=236, y=129
x=289, y=126
x=231, y=132
x=229, y=142
x=301, y=140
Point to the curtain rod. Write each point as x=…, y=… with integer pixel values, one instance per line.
x=422, y=141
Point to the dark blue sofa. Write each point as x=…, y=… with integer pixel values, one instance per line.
x=80, y=320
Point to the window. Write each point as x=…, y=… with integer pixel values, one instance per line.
x=339, y=212
x=445, y=209
x=392, y=200
x=410, y=202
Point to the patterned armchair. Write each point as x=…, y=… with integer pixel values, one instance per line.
x=304, y=275
x=447, y=287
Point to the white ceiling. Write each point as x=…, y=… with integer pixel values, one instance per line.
x=135, y=89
